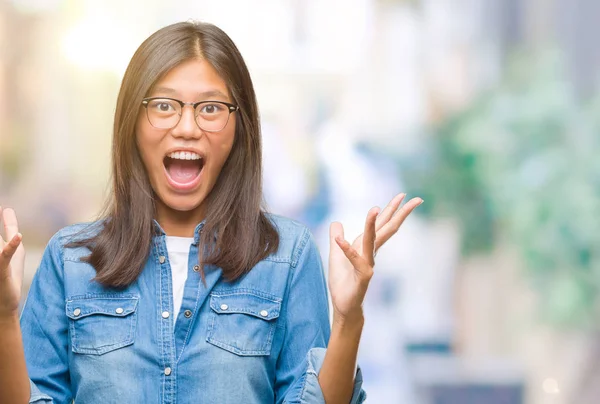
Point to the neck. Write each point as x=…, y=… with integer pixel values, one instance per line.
x=177, y=223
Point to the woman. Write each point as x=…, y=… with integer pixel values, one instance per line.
x=186, y=290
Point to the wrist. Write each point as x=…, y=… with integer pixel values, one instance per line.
x=9, y=318
x=349, y=321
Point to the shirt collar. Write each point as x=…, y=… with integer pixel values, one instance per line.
x=160, y=232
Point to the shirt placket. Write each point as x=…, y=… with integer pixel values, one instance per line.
x=189, y=304
x=166, y=340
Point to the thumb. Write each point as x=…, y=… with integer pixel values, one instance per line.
x=7, y=252
x=335, y=229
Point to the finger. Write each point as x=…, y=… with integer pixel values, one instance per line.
x=336, y=229
x=390, y=228
x=8, y=251
x=354, y=257
x=389, y=210
x=368, y=241
x=11, y=227
x=385, y=215
x=2, y=242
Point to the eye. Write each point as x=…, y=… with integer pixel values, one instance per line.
x=162, y=106
x=212, y=108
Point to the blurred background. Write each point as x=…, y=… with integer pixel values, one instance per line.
x=488, y=109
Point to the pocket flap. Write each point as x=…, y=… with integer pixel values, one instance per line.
x=247, y=302
x=83, y=306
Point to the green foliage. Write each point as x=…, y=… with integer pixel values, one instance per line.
x=522, y=164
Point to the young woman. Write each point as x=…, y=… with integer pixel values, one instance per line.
x=186, y=291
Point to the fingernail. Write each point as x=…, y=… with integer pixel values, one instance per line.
x=421, y=202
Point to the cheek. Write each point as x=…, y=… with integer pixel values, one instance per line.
x=221, y=145
x=142, y=148
x=150, y=163
x=224, y=151
x=147, y=144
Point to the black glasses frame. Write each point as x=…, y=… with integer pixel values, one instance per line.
x=194, y=105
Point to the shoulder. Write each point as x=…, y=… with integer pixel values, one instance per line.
x=61, y=242
x=78, y=231
x=286, y=227
x=294, y=238
x=59, y=251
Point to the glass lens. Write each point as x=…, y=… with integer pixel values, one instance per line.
x=163, y=113
x=212, y=116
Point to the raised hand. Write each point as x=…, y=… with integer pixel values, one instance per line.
x=351, y=265
x=12, y=264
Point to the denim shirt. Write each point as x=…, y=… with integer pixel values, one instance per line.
x=260, y=339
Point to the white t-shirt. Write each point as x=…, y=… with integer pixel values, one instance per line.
x=178, y=249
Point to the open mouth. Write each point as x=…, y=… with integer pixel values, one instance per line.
x=183, y=168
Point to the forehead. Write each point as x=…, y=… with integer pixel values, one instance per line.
x=192, y=79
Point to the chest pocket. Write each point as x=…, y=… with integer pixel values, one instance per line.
x=243, y=322
x=100, y=324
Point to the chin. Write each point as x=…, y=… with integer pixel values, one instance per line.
x=182, y=203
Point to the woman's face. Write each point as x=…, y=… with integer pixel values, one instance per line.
x=184, y=162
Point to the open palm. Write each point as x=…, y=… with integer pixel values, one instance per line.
x=351, y=265
x=12, y=263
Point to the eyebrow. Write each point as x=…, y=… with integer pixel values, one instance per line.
x=204, y=95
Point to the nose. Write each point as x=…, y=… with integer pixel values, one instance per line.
x=187, y=127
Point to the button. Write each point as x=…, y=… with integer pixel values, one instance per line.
x=165, y=314
x=119, y=310
x=76, y=312
x=196, y=268
x=224, y=306
x=187, y=313
x=161, y=259
x=167, y=371
x=264, y=313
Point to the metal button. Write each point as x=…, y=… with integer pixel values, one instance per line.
x=167, y=371
x=196, y=268
x=187, y=313
x=119, y=310
x=224, y=306
x=264, y=313
x=165, y=314
x=161, y=259
x=76, y=312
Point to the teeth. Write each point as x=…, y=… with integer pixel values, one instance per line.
x=184, y=156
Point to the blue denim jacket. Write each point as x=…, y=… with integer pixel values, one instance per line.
x=260, y=339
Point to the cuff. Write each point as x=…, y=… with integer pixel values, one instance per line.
x=311, y=390
x=37, y=396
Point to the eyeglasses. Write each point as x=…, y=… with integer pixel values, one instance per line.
x=165, y=113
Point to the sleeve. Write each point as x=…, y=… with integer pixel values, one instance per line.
x=307, y=331
x=44, y=327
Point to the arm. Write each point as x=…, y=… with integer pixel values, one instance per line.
x=350, y=271
x=336, y=377
x=44, y=325
x=305, y=318
x=14, y=382
x=34, y=351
